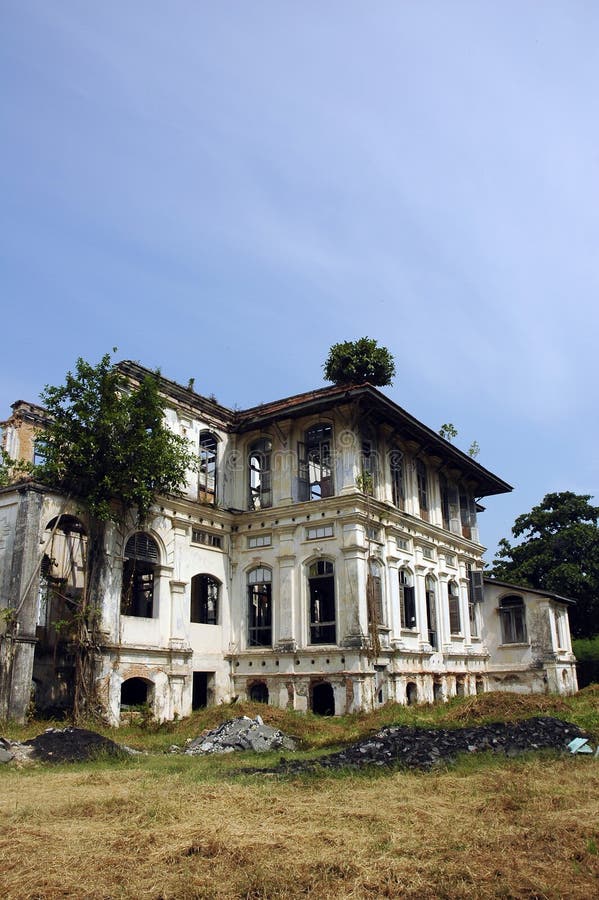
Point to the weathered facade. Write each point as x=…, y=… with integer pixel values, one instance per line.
x=326, y=557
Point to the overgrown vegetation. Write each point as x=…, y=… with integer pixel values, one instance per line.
x=354, y=362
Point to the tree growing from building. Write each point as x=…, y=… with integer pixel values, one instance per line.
x=354, y=362
x=558, y=551
x=107, y=447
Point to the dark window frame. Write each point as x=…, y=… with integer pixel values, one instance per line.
x=512, y=611
x=407, y=601
x=321, y=591
x=208, y=467
x=260, y=474
x=205, y=599
x=315, y=463
x=259, y=585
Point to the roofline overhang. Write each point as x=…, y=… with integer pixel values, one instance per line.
x=522, y=587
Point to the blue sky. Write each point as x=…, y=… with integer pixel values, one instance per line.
x=226, y=189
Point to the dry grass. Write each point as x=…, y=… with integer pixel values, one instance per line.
x=518, y=829
x=167, y=826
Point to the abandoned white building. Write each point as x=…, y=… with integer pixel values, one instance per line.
x=325, y=557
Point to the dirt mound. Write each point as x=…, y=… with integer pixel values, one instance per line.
x=506, y=707
x=423, y=748
x=72, y=745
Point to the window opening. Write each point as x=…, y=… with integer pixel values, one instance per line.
x=475, y=596
x=398, y=491
x=207, y=467
x=513, y=622
x=141, y=558
x=260, y=607
x=431, y=612
x=315, y=464
x=260, y=486
x=204, y=600
x=375, y=595
x=422, y=483
x=198, y=536
x=455, y=622
x=199, y=694
x=134, y=692
x=321, y=583
x=407, y=600
x=445, y=512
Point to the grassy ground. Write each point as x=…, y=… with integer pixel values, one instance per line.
x=165, y=826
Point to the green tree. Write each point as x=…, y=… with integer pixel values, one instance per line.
x=354, y=362
x=106, y=446
x=558, y=551
x=448, y=431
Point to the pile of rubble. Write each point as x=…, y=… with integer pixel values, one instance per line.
x=60, y=745
x=242, y=733
x=423, y=748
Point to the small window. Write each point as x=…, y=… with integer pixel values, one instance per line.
x=407, y=600
x=374, y=534
x=207, y=467
x=455, y=621
x=206, y=537
x=402, y=543
x=259, y=540
x=319, y=531
x=141, y=558
x=204, y=600
x=513, y=621
x=450, y=560
x=260, y=485
x=321, y=582
x=260, y=607
x=428, y=553
x=315, y=473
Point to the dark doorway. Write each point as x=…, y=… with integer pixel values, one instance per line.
x=199, y=696
x=134, y=692
x=259, y=692
x=323, y=699
x=411, y=693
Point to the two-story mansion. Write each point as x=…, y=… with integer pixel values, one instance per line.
x=326, y=556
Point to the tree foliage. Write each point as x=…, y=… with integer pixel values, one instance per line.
x=354, y=362
x=107, y=444
x=559, y=552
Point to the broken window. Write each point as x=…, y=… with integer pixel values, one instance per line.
x=375, y=594
x=398, y=490
x=315, y=475
x=207, y=468
x=260, y=474
x=321, y=580
x=260, y=607
x=407, y=600
x=422, y=484
x=513, y=621
x=141, y=560
x=467, y=515
x=431, y=612
x=369, y=465
x=455, y=621
x=204, y=600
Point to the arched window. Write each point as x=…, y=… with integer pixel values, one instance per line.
x=141, y=559
x=259, y=474
x=260, y=607
x=513, y=620
x=321, y=581
x=455, y=620
x=376, y=611
x=207, y=468
x=204, y=600
x=431, y=612
x=315, y=463
x=407, y=600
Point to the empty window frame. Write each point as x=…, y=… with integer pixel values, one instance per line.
x=444, y=492
x=315, y=467
x=259, y=540
x=407, y=600
x=206, y=537
x=139, y=569
x=315, y=532
x=260, y=607
x=398, y=488
x=204, y=600
x=513, y=620
x=467, y=515
x=207, y=467
x=422, y=486
x=455, y=619
x=374, y=594
x=259, y=469
x=431, y=612
x=369, y=462
x=321, y=583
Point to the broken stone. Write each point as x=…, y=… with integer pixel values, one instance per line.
x=242, y=733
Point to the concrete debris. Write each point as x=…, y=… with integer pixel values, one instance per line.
x=424, y=748
x=240, y=734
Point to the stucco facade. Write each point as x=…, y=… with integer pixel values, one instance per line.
x=326, y=556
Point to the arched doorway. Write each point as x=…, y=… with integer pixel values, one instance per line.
x=135, y=692
x=323, y=699
x=411, y=693
x=259, y=692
